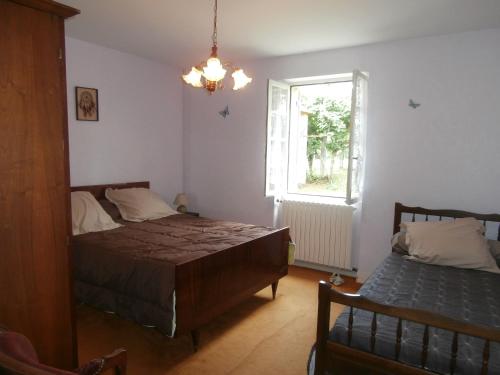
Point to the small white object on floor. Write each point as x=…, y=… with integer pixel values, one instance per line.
x=336, y=279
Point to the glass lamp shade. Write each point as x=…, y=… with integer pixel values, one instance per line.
x=193, y=78
x=240, y=79
x=214, y=71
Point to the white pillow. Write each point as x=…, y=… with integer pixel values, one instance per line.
x=495, y=249
x=139, y=204
x=88, y=215
x=458, y=244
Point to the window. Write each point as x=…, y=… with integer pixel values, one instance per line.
x=315, y=136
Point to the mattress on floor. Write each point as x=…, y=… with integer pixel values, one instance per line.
x=467, y=295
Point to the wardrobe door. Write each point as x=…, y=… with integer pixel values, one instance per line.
x=35, y=286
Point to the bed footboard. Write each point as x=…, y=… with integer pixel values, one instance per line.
x=209, y=286
x=339, y=358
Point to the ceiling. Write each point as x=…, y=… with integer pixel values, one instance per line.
x=179, y=32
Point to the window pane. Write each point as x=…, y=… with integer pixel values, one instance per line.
x=277, y=138
x=319, y=139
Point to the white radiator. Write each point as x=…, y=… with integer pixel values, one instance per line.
x=322, y=232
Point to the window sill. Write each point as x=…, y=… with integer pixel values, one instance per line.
x=334, y=201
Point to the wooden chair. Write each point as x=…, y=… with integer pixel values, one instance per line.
x=17, y=356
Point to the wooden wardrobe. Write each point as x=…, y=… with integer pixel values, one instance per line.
x=35, y=223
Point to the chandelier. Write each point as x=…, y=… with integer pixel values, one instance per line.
x=210, y=74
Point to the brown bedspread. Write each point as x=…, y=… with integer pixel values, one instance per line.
x=131, y=270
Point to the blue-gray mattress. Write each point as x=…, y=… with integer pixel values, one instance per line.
x=467, y=295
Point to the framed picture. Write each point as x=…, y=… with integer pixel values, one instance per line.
x=87, y=104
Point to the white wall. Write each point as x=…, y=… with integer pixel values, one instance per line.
x=443, y=155
x=139, y=133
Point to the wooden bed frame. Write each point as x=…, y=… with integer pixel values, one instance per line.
x=209, y=286
x=342, y=359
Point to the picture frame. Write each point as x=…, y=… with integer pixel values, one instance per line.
x=86, y=103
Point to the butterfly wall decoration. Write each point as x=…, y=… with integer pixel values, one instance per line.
x=413, y=104
x=225, y=112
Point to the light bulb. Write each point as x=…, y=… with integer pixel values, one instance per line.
x=193, y=78
x=214, y=70
x=240, y=79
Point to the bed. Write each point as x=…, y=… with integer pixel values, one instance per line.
x=413, y=318
x=175, y=273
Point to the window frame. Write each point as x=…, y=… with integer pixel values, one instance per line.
x=281, y=84
x=341, y=79
x=307, y=81
x=360, y=77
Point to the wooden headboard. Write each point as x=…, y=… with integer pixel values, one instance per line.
x=99, y=190
x=400, y=209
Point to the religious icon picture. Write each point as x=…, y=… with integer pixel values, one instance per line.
x=87, y=105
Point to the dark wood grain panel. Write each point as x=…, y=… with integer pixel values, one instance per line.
x=98, y=191
x=34, y=275
x=211, y=285
x=49, y=6
x=64, y=114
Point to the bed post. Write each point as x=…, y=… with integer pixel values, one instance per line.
x=398, y=210
x=195, y=336
x=323, y=327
